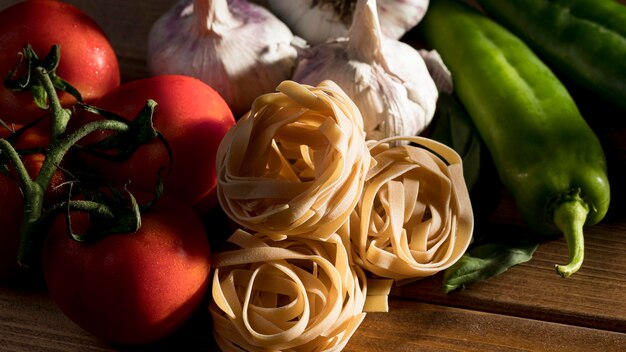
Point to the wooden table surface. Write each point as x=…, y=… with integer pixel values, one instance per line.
x=528, y=308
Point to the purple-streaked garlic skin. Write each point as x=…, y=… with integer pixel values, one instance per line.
x=237, y=47
x=318, y=24
x=387, y=79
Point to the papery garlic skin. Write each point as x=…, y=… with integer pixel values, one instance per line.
x=238, y=48
x=387, y=79
x=318, y=24
x=399, y=16
x=438, y=71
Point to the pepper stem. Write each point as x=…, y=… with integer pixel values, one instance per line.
x=570, y=217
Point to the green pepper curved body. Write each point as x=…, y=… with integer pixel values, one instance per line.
x=545, y=153
x=584, y=39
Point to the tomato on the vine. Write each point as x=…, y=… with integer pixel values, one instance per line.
x=192, y=117
x=88, y=61
x=131, y=288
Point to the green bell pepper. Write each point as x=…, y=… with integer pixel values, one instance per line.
x=584, y=40
x=545, y=153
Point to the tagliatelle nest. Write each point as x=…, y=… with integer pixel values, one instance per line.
x=288, y=295
x=415, y=217
x=295, y=164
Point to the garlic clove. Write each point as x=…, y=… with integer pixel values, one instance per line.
x=438, y=70
x=314, y=24
x=317, y=21
x=399, y=16
x=388, y=80
x=237, y=47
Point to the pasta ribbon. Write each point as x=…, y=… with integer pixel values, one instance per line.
x=295, y=164
x=289, y=295
x=319, y=207
x=415, y=217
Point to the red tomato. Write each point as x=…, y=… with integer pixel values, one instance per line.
x=88, y=61
x=11, y=213
x=193, y=118
x=131, y=288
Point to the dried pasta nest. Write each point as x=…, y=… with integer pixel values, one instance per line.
x=295, y=164
x=288, y=295
x=415, y=217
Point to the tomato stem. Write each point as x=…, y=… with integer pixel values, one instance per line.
x=31, y=230
x=34, y=190
x=33, y=202
x=60, y=116
x=22, y=173
x=45, y=85
x=78, y=205
x=57, y=152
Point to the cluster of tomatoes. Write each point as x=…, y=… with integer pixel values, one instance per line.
x=128, y=288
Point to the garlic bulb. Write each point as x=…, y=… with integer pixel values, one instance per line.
x=316, y=21
x=238, y=48
x=388, y=80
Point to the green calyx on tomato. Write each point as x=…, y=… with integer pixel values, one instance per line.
x=49, y=65
x=131, y=288
x=120, y=147
x=39, y=77
x=130, y=268
x=193, y=118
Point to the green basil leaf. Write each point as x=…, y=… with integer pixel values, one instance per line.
x=485, y=261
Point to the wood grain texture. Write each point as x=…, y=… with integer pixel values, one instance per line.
x=31, y=322
x=425, y=327
x=529, y=308
x=594, y=297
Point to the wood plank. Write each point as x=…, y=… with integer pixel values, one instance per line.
x=594, y=297
x=411, y=326
x=502, y=313
x=29, y=320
